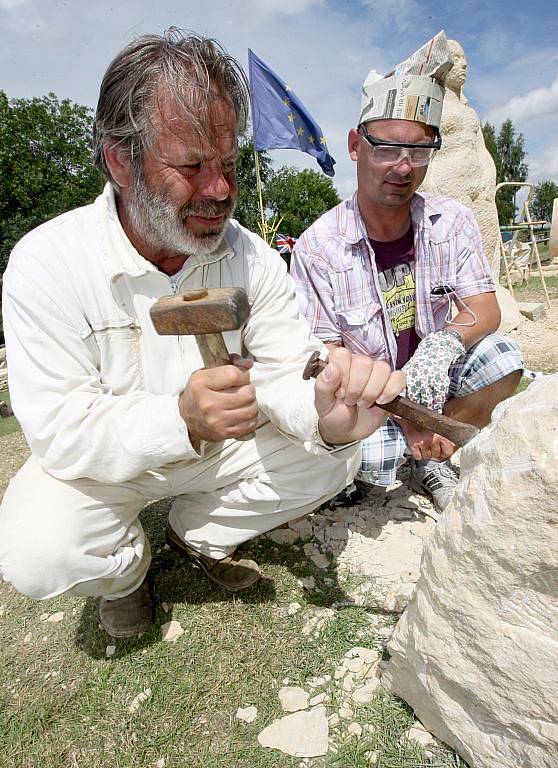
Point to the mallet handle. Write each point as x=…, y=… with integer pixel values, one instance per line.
x=213, y=350
x=214, y=353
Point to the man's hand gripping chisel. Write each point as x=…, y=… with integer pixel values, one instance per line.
x=457, y=431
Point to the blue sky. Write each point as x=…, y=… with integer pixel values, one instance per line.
x=322, y=48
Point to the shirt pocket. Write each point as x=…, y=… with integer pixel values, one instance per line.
x=119, y=356
x=362, y=329
x=360, y=316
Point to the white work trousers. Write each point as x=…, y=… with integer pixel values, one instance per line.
x=85, y=536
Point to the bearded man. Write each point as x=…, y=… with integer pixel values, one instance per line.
x=117, y=416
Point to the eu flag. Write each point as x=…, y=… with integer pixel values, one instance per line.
x=280, y=120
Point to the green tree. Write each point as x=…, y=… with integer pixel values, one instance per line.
x=300, y=197
x=489, y=133
x=544, y=195
x=45, y=164
x=508, y=151
x=247, y=206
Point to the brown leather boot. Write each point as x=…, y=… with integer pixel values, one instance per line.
x=234, y=572
x=127, y=616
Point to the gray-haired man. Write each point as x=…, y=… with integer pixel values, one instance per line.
x=116, y=415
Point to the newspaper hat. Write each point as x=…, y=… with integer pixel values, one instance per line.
x=413, y=90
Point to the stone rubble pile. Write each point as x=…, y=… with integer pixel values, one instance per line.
x=375, y=548
x=379, y=541
x=307, y=730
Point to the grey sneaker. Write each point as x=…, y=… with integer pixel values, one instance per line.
x=435, y=478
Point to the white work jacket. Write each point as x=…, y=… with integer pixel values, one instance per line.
x=93, y=385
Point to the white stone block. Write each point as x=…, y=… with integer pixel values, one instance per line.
x=475, y=652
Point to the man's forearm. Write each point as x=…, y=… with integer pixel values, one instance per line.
x=481, y=317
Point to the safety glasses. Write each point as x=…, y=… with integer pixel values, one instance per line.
x=386, y=152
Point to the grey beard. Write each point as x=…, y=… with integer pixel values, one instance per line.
x=161, y=226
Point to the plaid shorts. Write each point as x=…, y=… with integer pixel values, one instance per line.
x=484, y=363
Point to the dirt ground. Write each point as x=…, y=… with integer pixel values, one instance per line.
x=539, y=341
x=13, y=453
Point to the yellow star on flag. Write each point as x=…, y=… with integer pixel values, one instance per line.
x=300, y=131
x=322, y=140
x=287, y=102
x=291, y=117
x=311, y=139
x=288, y=88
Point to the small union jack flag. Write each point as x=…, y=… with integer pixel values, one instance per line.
x=285, y=243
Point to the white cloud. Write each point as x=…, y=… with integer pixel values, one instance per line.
x=493, y=45
x=8, y=5
x=400, y=15
x=283, y=7
x=540, y=102
x=543, y=163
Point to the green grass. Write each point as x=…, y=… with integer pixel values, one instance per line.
x=10, y=425
x=543, y=250
x=63, y=703
x=533, y=290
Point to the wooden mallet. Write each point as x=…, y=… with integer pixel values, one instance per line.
x=203, y=313
x=457, y=431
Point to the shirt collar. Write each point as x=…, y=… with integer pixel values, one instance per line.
x=423, y=214
x=355, y=230
x=121, y=257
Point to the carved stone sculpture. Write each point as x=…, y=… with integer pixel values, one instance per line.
x=463, y=168
x=553, y=244
x=475, y=652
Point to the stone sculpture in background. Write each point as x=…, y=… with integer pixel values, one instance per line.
x=475, y=652
x=553, y=244
x=463, y=168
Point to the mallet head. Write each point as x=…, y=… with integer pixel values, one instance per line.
x=201, y=311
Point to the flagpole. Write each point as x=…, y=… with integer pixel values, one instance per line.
x=260, y=197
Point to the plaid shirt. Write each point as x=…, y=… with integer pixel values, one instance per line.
x=336, y=279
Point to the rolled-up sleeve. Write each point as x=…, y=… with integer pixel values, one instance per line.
x=473, y=275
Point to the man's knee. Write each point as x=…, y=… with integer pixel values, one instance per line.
x=55, y=535
x=488, y=361
x=35, y=552
x=495, y=346
x=382, y=454
x=30, y=560
x=489, y=373
x=317, y=476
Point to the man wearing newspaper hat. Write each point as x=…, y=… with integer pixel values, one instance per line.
x=400, y=275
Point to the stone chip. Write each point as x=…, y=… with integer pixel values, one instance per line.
x=301, y=734
x=293, y=698
x=246, y=714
